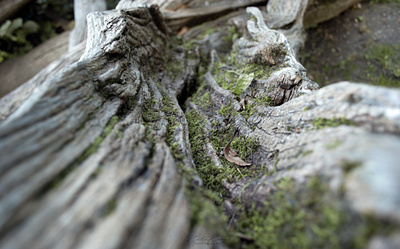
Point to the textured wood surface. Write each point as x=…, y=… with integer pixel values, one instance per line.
x=96, y=153
x=81, y=10
x=36, y=60
x=77, y=158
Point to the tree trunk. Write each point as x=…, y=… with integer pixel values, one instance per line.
x=124, y=148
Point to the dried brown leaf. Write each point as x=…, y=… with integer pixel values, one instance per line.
x=232, y=156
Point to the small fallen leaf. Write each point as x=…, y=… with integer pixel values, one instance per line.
x=232, y=156
x=183, y=30
x=243, y=104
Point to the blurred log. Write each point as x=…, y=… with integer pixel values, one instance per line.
x=320, y=11
x=10, y=7
x=11, y=75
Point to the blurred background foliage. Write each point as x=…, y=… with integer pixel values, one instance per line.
x=37, y=22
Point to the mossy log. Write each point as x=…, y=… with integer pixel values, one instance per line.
x=124, y=148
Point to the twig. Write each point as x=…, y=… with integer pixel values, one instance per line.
x=240, y=172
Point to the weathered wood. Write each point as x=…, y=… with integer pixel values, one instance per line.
x=13, y=100
x=338, y=134
x=11, y=75
x=81, y=10
x=178, y=14
x=67, y=116
x=124, y=148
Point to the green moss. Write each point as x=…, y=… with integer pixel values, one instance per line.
x=176, y=153
x=306, y=216
x=380, y=65
x=383, y=65
x=240, y=77
x=294, y=216
x=192, y=43
x=110, y=207
x=307, y=152
x=97, y=172
x=202, y=98
x=211, y=175
x=150, y=134
x=56, y=182
x=344, y=68
x=92, y=148
x=120, y=134
x=282, y=223
x=320, y=123
x=198, y=138
x=174, y=67
x=171, y=114
x=203, y=208
x=150, y=114
x=348, y=165
x=372, y=226
x=206, y=202
x=110, y=125
x=89, y=151
x=233, y=34
x=275, y=162
x=333, y=145
x=260, y=71
x=251, y=108
x=207, y=31
x=95, y=145
x=228, y=111
x=246, y=148
x=383, y=80
x=265, y=101
x=204, y=211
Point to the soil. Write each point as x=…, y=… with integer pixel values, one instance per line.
x=360, y=45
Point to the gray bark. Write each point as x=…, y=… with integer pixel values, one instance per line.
x=95, y=150
x=131, y=171
x=81, y=10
